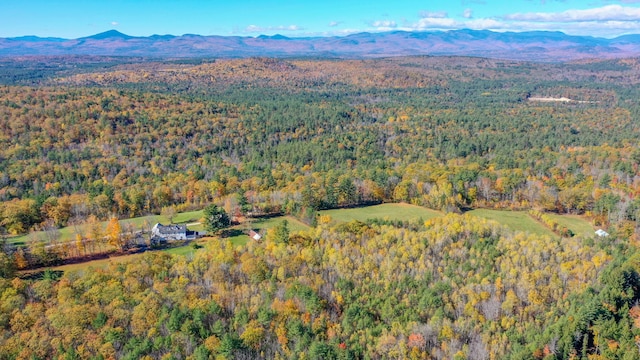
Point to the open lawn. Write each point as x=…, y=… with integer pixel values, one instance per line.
x=65, y=234
x=238, y=234
x=515, y=220
x=383, y=211
x=268, y=223
x=103, y=263
x=68, y=233
x=575, y=223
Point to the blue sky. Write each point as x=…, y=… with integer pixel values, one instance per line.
x=295, y=18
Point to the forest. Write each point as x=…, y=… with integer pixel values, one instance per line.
x=84, y=140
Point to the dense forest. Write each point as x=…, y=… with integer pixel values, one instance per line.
x=453, y=288
x=310, y=134
x=89, y=139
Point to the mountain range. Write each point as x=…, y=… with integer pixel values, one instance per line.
x=537, y=45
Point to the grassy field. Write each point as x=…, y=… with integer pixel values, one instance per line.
x=102, y=263
x=578, y=225
x=68, y=233
x=515, y=220
x=383, y=211
x=239, y=233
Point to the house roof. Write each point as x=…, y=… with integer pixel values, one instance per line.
x=601, y=232
x=254, y=235
x=171, y=229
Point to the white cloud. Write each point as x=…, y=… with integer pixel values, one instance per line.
x=436, y=24
x=261, y=29
x=433, y=14
x=486, y=24
x=606, y=21
x=605, y=13
x=384, y=24
x=343, y=32
x=114, y=23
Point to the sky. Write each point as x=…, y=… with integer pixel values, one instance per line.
x=298, y=18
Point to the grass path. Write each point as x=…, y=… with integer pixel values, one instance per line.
x=103, y=263
x=575, y=223
x=515, y=220
x=384, y=211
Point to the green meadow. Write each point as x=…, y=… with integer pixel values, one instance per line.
x=577, y=224
x=384, y=211
x=515, y=220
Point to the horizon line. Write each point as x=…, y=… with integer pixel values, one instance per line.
x=319, y=35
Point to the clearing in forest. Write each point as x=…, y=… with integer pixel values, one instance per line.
x=400, y=212
x=515, y=220
x=575, y=223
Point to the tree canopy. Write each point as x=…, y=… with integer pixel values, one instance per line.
x=215, y=218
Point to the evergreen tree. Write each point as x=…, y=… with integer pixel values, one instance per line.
x=215, y=218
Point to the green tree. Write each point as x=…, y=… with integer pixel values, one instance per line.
x=243, y=202
x=280, y=232
x=347, y=192
x=215, y=218
x=7, y=265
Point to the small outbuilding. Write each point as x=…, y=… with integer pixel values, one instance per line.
x=254, y=235
x=602, y=233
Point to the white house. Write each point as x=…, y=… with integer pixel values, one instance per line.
x=161, y=232
x=602, y=233
x=169, y=232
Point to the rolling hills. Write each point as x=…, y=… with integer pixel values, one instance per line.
x=537, y=45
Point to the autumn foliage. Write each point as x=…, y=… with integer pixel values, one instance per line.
x=88, y=140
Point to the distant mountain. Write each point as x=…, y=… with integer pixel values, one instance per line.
x=536, y=45
x=36, y=39
x=111, y=34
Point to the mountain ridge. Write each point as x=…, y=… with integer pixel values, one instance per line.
x=534, y=45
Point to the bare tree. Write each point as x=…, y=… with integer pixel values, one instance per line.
x=169, y=212
x=477, y=348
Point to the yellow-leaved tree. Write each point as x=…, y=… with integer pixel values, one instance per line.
x=114, y=233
